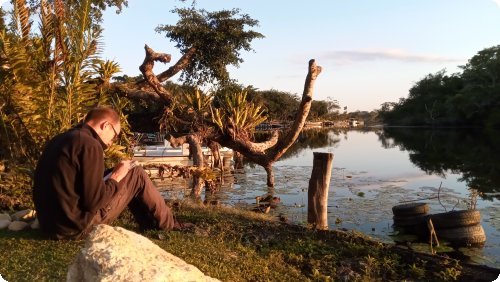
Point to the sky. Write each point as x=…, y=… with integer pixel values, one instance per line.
x=371, y=52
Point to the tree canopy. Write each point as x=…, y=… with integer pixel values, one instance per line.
x=468, y=98
x=96, y=6
x=215, y=38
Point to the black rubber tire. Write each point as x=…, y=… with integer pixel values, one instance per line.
x=410, y=209
x=454, y=219
x=465, y=235
x=407, y=221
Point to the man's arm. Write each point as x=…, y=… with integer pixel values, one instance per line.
x=121, y=169
x=95, y=191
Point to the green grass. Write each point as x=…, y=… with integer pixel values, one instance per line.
x=26, y=256
x=234, y=245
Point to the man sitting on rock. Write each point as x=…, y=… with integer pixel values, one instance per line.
x=70, y=193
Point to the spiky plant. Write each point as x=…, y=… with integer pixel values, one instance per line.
x=105, y=71
x=196, y=102
x=188, y=112
x=47, y=75
x=50, y=71
x=237, y=114
x=123, y=148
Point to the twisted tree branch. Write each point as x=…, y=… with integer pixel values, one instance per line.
x=181, y=64
x=302, y=113
x=255, y=153
x=147, y=70
x=131, y=91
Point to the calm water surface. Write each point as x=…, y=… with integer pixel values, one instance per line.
x=375, y=170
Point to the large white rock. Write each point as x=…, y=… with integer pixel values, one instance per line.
x=116, y=254
x=4, y=223
x=18, y=225
x=5, y=216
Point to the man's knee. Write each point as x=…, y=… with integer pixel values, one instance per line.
x=139, y=171
x=135, y=178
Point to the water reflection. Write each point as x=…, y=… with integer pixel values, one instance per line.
x=471, y=153
x=374, y=170
x=308, y=139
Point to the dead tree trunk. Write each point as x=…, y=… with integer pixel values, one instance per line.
x=270, y=175
x=266, y=153
x=215, y=149
x=147, y=70
x=150, y=88
x=238, y=160
x=197, y=155
x=317, y=195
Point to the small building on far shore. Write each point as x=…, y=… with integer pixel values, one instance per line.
x=344, y=123
x=354, y=122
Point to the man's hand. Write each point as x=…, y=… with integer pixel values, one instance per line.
x=122, y=168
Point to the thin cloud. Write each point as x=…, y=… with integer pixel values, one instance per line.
x=498, y=3
x=349, y=57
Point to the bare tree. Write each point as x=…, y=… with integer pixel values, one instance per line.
x=209, y=41
x=263, y=153
x=268, y=152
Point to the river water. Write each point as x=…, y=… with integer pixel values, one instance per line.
x=374, y=170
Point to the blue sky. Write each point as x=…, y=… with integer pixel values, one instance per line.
x=371, y=51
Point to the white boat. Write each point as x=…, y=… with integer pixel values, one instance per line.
x=166, y=154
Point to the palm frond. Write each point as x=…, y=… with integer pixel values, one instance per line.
x=235, y=110
x=23, y=19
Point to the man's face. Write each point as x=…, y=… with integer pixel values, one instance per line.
x=110, y=132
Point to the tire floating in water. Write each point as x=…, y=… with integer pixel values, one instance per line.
x=410, y=215
x=465, y=235
x=455, y=219
x=407, y=221
x=410, y=209
x=457, y=227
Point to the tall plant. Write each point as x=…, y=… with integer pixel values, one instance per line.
x=49, y=76
x=49, y=73
x=238, y=115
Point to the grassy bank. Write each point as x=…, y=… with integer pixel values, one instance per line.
x=233, y=245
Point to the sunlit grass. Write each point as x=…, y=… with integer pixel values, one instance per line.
x=234, y=245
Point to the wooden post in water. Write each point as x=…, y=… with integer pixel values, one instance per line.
x=225, y=165
x=317, y=195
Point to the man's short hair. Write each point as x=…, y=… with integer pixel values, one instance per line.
x=102, y=113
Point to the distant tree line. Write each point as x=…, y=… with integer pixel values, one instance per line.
x=278, y=106
x=469, y=98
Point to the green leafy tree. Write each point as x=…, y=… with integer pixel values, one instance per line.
x=212, y=40
x=481, y=78
x=49, y=73
x=319, y=110
x=96, y=7
x=468, y=98
x=280, y=105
